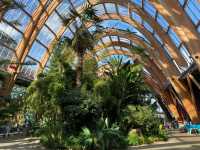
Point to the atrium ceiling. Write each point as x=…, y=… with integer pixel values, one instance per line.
x=169, y=30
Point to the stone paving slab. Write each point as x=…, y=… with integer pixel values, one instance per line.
x=20, y=144
x=178, y=141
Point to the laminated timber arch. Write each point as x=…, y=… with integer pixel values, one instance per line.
x=181, y=24
x=179, y=88
x=158, y=86
x=39, y=17
x=181, y=27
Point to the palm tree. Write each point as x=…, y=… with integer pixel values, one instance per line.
x=6, y=5
x=83, y=40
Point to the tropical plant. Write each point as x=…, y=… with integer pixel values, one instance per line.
x=105, y=137
x=83, y=40
x=124, y=85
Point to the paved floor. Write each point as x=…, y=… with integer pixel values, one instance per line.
x=20, y=144
x=178, y=141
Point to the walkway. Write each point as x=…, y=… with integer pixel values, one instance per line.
x=20, y=144
x=178, y=141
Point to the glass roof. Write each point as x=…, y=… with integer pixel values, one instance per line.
x=53, y=25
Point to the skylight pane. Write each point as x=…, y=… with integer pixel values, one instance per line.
x=20, y=16
x=147, y=26
x=174, y=37
x=68, y=34
x=114, y=38
x=30, y=5
x=54, y=22
x=160, y=19
x=110, y=7
x=45, y=36
x=137, y=2
x=122, y=10
x=136, y=17
x=63, y=8
x=181, y=2
x=167, y=53
x=99, y=9
x=77, y=3
x=158, y=38
x=11, y=32
x=193, y=10
x=124, y=40
x=106, y=39
x=149, y=8
x=198, y=29
x=37, y=51
x=186, y=54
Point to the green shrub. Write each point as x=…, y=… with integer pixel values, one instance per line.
x=149, y=140
x=141, y=140
x=133, y=138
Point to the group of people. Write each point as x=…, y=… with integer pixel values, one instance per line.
x=171, y=125
x=17, y=128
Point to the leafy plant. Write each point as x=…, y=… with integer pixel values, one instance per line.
x=133, y=138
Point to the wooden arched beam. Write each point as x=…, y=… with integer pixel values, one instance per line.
x=131, y=7
x=180, y=23
x=167, y=101
x=156, y=53
x=148, y=61
x=178, y=58
x=188, y=104
x=39, y=17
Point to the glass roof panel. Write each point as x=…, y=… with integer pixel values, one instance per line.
x=137, y=2
x=45, y=36
x=68, y=34
x=20, y=16
x=114, y=38
x=106, y=39
x=77, y=3
x=136, y=17
x=124, y=40
x=14, y=34
x=99, y=9
x=174, y=37
x=110, y=8
x=186, y=55
x=29, y=71
x=54, y=22
x=149, y=8
x=107, y=59
x=181, y=2
x=122, y=10
x=6, y=53
x=147, y=26
x=162, y=22
x=37, y=51
x=30, y=5
x=198, y=29
x=63, y=8
x=193, y=10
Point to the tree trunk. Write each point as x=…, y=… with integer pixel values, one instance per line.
x=79, y=69
x=1, y=15
x=2, y=10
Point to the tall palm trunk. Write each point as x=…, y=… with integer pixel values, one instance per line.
x=79, y=69
x=2, y=11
